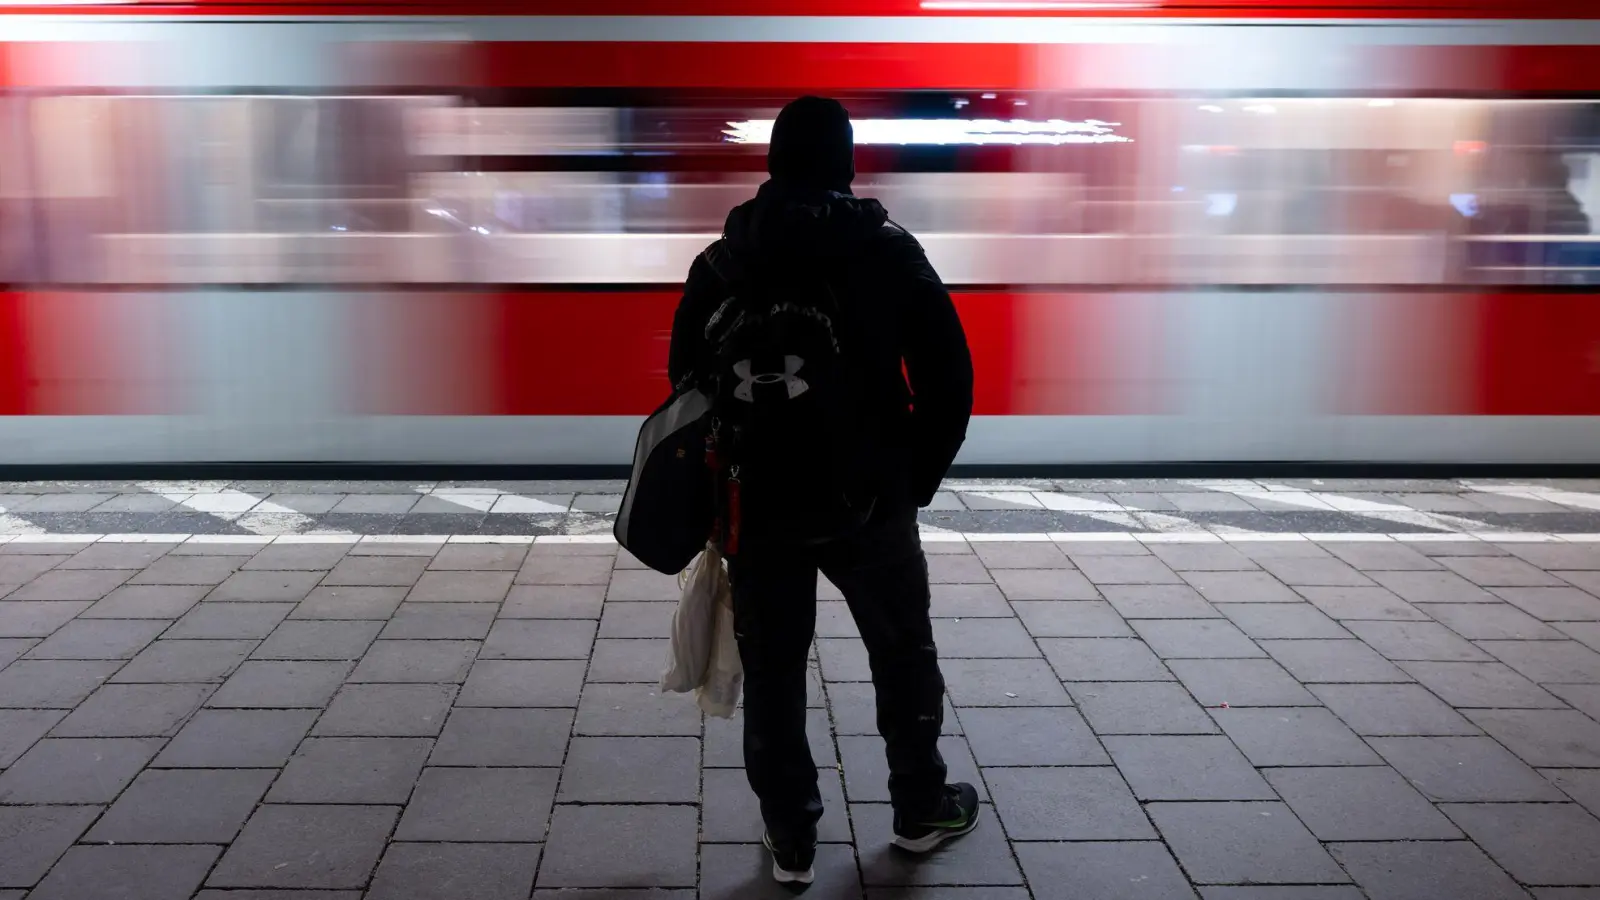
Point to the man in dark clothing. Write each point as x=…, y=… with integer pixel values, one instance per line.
x=904, y=328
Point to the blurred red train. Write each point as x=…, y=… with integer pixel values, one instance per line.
x=1177, y=230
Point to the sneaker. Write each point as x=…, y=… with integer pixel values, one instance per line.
x=957, y=815
x=791, y=865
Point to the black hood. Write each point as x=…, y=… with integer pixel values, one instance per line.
x=790, y=222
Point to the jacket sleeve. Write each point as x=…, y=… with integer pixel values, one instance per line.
x=700, y=297
x=938, y=368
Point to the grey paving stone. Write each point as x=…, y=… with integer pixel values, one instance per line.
x=1186, y=767
x=555, y=601
x=1582, y=785
x=458, y=587
x=983, y=639
x=1140, y=708
x=230, y=738
x=730, y=812
x=1135, y=870
x=350, y=603
x=1426, y=870
x=1196, y=639
x=866, y=769
x=184, y=661
x=1044, y=584
x=1071, y=618
x=1585, y=633
x=416, y=662
x=1481, y=685
x=387, y=710
x=299, y=557
x=631, y=770
x=504, y=737
x=188, y=570
x=12, y=648
x=1491, y=621
x=1377, y=603
x=1240, y=682
x=230, y=621
x=962, y=569
x=833, y=618
x=1159, y=601
x=1294, y=736
x=1313, y=572
x=314, y=640
x=98, y=639
x=1378, y=556
x=51, y=684
x=724, y=740
x=1002, y=682
x=306, y=847
x=352, y=770
x=1031, y=737
x=117, y=555
x=1282, y=620
x=618, y=894
x=1250, y=843
x=75, y=770
x=21, y=728
x=480, y=805
x=183, y=806
x=565, y=569
x=979, y=858
x=1203, y=558
x=854, y=709
x=1423, y=641
x=637, y=620
x=1075, y=548
x=454, y=871
x=144, y=601
x=134, y=710
x=1433, y=587
x=265, y=587
x=78, y=585
x=620, y=846
x=21, y=569
x=1464, y=769
x=1553, y=604
x=523, y=683
x=963, y=601
x=628, y=660
x=280, y=685
x=1392, y=709
x=1564, y=662
x=947, y=893
x=1560, y=893
x=843, y=659
x=1544, y=737
x=1280, y=892
x=642, y=585
x=441, y=621
x=1500, y=572
x=1553, y=556
x=1585, y=697
x=1021, y=555
x=539, y=639
x=1103, y=659
x=744, y=872
x=387, y=572
x=1360, y=803
x=480, y=557
x=1538, y=843
x=1334, y=662
x=32, y=838
x=635, y=710
x=127, y=873
x=1127, y=570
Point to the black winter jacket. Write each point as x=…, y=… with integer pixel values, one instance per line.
x=916, y=358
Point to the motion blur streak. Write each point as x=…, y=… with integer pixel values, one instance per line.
x=1176, y=230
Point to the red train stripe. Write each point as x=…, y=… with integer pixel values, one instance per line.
x=1539, y=355
x=14, y=353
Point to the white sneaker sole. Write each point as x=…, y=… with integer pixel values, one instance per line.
x=929, y=842
x=784, y=876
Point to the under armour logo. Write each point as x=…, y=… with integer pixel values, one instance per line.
x=747, y=381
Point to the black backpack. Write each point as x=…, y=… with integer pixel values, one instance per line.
x=793, y=455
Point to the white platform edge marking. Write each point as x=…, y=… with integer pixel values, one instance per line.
x=1149, y=537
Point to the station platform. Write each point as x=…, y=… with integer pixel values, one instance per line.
x=1230, y=690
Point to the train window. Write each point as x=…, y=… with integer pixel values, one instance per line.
x=592, y=187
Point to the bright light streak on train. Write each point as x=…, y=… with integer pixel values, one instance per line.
x=945, y=132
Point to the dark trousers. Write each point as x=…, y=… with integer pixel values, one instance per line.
x=884, y=578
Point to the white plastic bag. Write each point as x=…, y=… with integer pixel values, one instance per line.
x=694, y=623
x=719, y=695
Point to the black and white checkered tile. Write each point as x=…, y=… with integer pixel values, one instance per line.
x=1225, y=508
